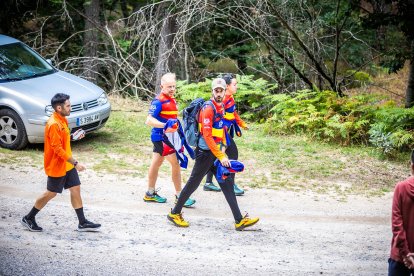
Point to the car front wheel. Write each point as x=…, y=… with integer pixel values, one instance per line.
x=12, y=131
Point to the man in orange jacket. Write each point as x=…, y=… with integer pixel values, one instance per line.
x=232, y=120
x=60, y=167
x=211, y=146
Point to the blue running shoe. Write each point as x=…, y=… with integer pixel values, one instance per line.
x=154, y=198
x=189, y=202
x=238, y=191
x=211, y=187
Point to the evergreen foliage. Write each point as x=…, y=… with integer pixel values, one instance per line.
x=251, y=96
x=362, y=119
x=366, y=119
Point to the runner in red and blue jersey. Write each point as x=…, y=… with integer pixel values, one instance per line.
x=163, y=107
x=233, y=122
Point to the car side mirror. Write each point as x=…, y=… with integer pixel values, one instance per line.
x=49, y=61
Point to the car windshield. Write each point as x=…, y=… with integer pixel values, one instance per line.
x=18, y=62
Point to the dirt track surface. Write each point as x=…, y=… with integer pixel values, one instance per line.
x=298, y=234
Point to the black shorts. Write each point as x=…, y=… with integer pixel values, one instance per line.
x=56, y=184
x=159, y=148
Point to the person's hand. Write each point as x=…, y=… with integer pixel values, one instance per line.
x=409, y=261
x=79, y=134
x=243, y=125
x=79, y=167
x=410, y=257
x=225, y=162
x=173, y=126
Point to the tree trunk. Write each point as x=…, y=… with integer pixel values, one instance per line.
x=274, y=67
x=7, y=8
x=185, y=61
x=409, y=95
x=125, y=13
x=242, y=63
x=91, y=40
x=165, y=60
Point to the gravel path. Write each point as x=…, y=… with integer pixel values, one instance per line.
x=298, y=234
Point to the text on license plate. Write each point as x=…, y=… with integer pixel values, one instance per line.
x=87, y=119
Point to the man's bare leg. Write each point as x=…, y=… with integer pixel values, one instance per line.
x=175, y=172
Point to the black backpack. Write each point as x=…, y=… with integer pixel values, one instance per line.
x=190, y=120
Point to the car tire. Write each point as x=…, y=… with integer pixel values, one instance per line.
x=12, y=131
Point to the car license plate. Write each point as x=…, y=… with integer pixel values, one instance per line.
x=87, y=119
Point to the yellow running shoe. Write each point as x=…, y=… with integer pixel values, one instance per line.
x=177, y=219
x=245, y=222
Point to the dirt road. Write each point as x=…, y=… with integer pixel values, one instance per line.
x=298, y=234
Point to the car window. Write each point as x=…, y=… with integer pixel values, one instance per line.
x=18, y=62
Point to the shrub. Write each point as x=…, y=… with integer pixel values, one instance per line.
x=393, y=129
x=322, y=114
x=381, y=139
x=359, y=78
x=251, y=96
x=187, y=92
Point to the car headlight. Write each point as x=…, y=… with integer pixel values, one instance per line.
x=49, y=110
x=103, y=99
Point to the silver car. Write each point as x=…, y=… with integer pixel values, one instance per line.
x=27, y=84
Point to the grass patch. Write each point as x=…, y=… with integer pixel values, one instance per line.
x=296, y=162
x=32, y=156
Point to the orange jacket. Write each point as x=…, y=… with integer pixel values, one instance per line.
x=214, y=141
x=57, y=146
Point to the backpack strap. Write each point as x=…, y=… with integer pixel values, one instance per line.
x=216, y=115
x=210, y=103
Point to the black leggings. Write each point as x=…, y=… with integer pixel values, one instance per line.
x=232, y=153
x=203, y=163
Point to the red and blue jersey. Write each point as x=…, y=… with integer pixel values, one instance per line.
x=162, y=108
x=231, y=116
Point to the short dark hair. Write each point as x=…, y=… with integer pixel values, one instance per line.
x=59, y=99
x=228, y=77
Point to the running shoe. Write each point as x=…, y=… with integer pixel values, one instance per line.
x=88, y=226
x=238, y=191
x=188, y=203
x=211, y=187
x=177, y=219
x=154, y=198
x=31, y=224
x=246, y=222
